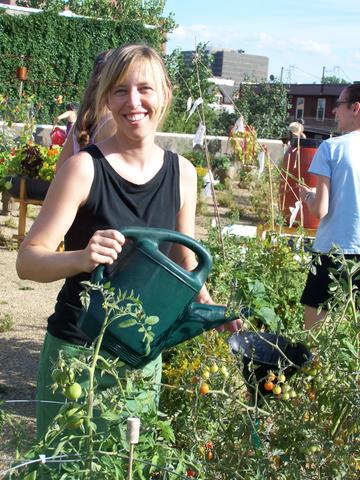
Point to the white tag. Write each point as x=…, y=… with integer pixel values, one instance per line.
x=261, y=161
x=294, y=211
x=197, y=102
x=239, y=125
x=189, y=103
x=199, y=135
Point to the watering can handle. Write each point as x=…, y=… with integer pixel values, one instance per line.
x=148, y=240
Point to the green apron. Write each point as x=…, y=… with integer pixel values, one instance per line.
x=45, y=412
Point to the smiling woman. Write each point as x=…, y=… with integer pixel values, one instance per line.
x=125, y=180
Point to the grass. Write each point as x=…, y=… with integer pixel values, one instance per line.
x=6, y=323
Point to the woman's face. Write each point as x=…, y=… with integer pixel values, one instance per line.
x=136, y=102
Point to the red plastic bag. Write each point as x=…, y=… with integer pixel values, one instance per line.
x=57, y=136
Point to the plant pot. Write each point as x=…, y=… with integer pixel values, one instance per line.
x=21, y=73
x=262, y=352
x=36, y=188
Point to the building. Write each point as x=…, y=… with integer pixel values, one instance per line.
x=313, y=104
x=235, y=65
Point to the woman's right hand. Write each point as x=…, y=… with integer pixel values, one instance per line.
x=103, y=248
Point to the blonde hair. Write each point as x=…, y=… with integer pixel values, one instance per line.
x=86, y=117
x=117, y=67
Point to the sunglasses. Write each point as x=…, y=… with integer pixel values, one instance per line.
x=339, y=102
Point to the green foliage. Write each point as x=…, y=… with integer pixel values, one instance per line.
x=266, y=277
x=59, y=53
x=265, y=107
x=146, y=11
x=237, y=435
x=189, y=81
x=334, y=80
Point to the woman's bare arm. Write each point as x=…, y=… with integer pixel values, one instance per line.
x=38, y=259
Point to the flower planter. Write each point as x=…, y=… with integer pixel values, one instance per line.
x=36, y=188
x=21, y=73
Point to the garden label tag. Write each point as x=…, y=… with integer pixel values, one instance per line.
x=294, y=211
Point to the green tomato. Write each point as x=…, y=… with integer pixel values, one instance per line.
x=74, y=418
x=214, y=368
x=276, y=390
x=73, y=391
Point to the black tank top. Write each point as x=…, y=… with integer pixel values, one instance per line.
x=113, y=202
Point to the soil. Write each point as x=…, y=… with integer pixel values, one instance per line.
x=26, y=305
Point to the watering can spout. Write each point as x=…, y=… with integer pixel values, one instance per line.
x=209, y=316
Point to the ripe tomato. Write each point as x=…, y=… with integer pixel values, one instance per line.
x=209, y=455
x=209, y=445
x=73, y=391
x=268, y=386
x=191, y=473
x=311, y=395
x=204, y=388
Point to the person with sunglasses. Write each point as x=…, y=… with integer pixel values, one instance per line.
x=336, y=201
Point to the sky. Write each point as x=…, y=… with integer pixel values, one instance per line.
x=300, y=38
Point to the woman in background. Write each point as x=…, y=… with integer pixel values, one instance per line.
x=87, y=129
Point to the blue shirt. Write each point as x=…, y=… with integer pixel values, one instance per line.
x=339, y=159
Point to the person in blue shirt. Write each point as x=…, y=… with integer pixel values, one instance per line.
x=335, y=200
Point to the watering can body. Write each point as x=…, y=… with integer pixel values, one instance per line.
x=165, y=290
x=58, y=136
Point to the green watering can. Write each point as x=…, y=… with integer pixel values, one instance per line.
x=165, y=290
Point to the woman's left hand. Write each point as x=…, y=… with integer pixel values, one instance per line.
x=233, y=326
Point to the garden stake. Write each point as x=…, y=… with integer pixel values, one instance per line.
x=216, y=209
x=271, y=190
x=132, y=435
x=298, y=159
x=286, y=182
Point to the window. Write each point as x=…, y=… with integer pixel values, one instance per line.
x=320, y=111
x=300, y=104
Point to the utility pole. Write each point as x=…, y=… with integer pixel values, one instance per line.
x=323, y=75
x=281, y=74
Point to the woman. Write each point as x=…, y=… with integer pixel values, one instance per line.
x=69, y=116
x=87, y=129
x=125, y=180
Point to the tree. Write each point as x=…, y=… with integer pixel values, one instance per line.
x=190, y=81
x=265, y=106
x=333, y=79
x=148, y=11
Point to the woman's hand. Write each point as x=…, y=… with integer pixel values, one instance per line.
x=233, y=326
x=103, y=248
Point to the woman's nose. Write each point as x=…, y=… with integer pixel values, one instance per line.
x=134, y=97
